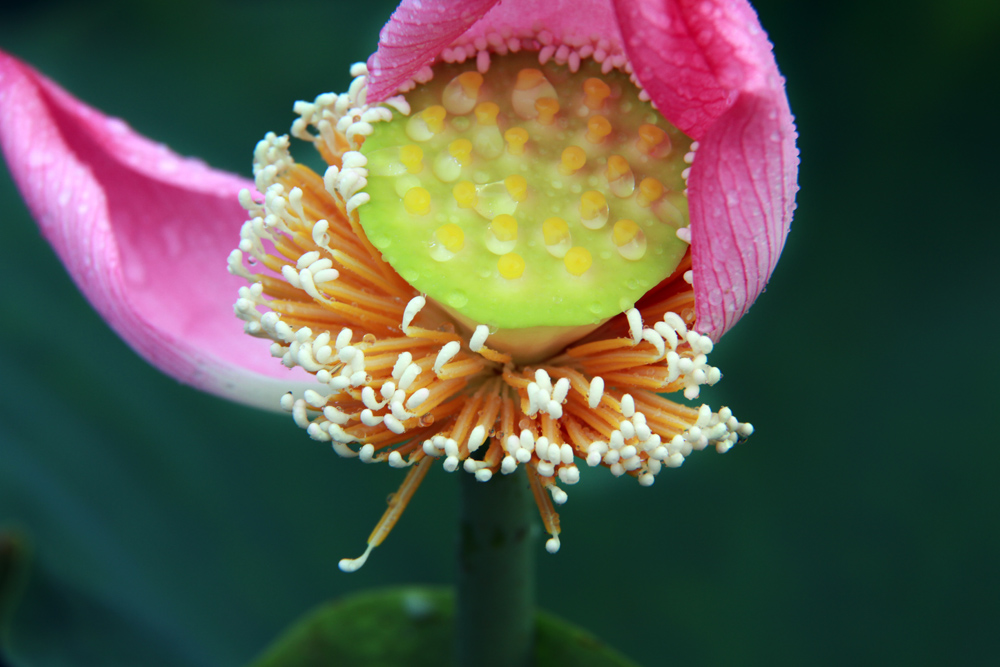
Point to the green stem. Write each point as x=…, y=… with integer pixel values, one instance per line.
x=495, y=619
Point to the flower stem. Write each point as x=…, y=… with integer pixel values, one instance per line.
x=495, y=619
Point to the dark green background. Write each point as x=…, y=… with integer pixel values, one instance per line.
x=859, y=524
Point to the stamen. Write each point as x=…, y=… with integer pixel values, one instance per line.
x=397, y=504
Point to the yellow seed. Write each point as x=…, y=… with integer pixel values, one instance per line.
x=592, y=204
x=461, y=150
x=504, y=227
x=573, y=159
x=578, y=260
x=464, y=193
x=517, y=187
x=547, y=108
x=516, y=138
x=652, y=140
x=417, y=201
x=486, y=113
x=621, y=180
x=434, y=117
x=595, y=92
x=598, y=127
x=555, y=231
x=451, y=237
x=511, y=266
x=625, y=230
x=528, y=78
x=617, y=167
x=650, y=190
x=412, y=157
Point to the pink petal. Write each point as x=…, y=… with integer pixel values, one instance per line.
x=419, y=30
x=415, y=34
x=708, y=66
x=143, y=232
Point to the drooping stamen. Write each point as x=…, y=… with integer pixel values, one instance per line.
x=397, y=504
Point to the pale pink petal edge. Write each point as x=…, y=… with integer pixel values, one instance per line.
x=143, y=233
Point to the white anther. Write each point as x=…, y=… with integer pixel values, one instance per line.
x=367, y=453
x=417, y=397
x=560, y=391
x=523, y=455
x=411, y=310
x=527, y=441
x=396, y=460
x=369, y=399
x=616, y=441
x=477, y=438
x=409, y=375
x=508, y=465
x=544, y=381
x=551, y=545
x=447, y=353
x=402, y=363
x=484, y=475
x=314, y=398
x=344, y=339
x=287, y=401
x=559, y=496
x=545, y=468
x=394, y=424
x=569, y=474
x=388, y=390
x=299, y=414
x=596, y=392
x=655, y=339
x=628, y=406
x=627, y=429
x=307, y=258
x=479, y=338
x=634, y=324
x=566, y=454
x=450, y=464
x=334, y=415
x=368, y=418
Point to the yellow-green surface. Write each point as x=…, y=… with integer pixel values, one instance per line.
x=547, y=294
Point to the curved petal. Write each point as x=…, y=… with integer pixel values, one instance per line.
x=416, y=33
x=419, y=30
x=143, y=232
x=708, y=66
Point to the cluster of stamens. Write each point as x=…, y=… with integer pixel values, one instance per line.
x=399, y=379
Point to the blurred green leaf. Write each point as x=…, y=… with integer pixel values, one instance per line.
x=413, y=627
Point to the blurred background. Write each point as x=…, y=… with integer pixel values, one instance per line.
x=860, y=523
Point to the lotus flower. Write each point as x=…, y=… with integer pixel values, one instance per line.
x=410, y=329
